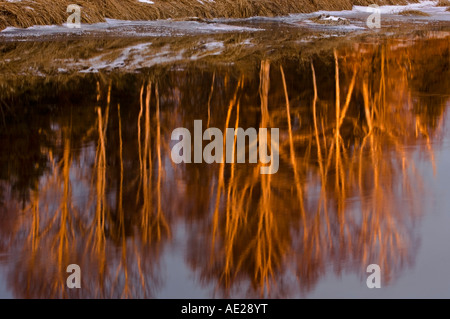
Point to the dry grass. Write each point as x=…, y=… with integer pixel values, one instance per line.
x=44, y=12
x=443, y=3
x=414, y=13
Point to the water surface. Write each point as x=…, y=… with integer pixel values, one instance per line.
x=86, y=175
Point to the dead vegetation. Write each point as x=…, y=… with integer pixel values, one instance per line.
x=414, y=13
x=46, y=12
x=443, y=3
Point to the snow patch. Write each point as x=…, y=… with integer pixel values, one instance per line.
x=155, y=28
x=130, y=56
x=143, y=56
x=394, y=9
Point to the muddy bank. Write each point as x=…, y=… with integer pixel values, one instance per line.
x=24, y=14
x=63, y=55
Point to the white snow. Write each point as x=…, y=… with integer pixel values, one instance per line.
x=331, y=18
x=214, y=45
x=430, y=7
x=358, y=14
x=143, y=55
x=166, y=28
x=425, y=6
x=130, y=28
x=129, y=56
x=131, y=61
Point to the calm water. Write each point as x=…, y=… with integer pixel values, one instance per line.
x=86, y=178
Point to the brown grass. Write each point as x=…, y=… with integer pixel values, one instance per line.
x=414, y=13
x=44, y=12
x=443, y=3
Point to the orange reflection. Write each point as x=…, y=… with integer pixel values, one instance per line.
x=347, y=124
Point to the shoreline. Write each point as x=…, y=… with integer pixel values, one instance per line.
x=24, y=14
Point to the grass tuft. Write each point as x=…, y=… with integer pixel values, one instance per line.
x=443, y=3
x=414, y=13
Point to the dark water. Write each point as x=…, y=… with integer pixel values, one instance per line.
x=86, y=178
